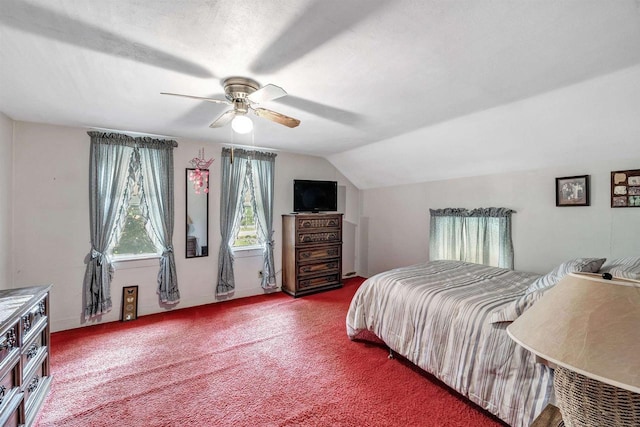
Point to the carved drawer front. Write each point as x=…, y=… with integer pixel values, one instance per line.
x=10, y=397
x=318, y=281
x=313, y=254
x=8, y=343
x=8, y=382
x=33, y=384
x=320, y=236
x=33, y=319
x=10, y=406
x=321, y=222
x=319, y=268
x=32, y=353
x=10, y=417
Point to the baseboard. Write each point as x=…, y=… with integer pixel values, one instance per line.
x=114, y=314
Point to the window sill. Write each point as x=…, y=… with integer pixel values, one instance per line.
x=135, y=261
x=247, y=251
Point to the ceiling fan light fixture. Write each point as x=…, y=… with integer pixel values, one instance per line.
x=241, y=124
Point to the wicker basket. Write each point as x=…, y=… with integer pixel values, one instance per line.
x=587, y=402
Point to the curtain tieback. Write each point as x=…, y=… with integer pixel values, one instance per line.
x=167, y=251
x=270, y=241
x=96, y=254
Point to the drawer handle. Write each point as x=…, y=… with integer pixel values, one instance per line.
x=26, y=323
x=33, y=351
x=33, y=385
x=10, y=340
x=42, y=308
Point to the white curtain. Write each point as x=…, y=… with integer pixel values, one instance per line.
x=156, y=174
x=109, y=175
x=481, y=236
x=234, y=164
x=262, y=187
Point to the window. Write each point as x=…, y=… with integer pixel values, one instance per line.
x=481, y=236
x=114, y=159
x=135, y=239
x=247, y=233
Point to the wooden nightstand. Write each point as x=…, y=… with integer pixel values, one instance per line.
x=549, y=417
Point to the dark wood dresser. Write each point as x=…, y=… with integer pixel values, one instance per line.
x=311, y=253
x=24, y=354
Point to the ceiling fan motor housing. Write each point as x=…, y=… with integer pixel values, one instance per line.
x=239, y=87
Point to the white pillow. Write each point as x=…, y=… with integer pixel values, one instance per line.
x=578, y=265
x=625, y=268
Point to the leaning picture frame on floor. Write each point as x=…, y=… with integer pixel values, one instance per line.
x=129, y=303
x=572, y=191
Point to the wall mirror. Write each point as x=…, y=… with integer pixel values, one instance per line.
x=197, y=244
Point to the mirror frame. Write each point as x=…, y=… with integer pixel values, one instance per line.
x=189, y=190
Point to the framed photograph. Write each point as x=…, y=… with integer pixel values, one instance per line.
x=625, y=189
x=129, y=303
x=572, y=191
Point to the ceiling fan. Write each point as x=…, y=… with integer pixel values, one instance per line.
x=242, y=93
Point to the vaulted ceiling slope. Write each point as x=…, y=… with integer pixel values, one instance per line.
x=390, y=91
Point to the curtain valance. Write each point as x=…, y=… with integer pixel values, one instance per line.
x=130, y=141
x=246, y=154
x=478, y=212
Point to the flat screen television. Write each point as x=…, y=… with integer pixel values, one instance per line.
x=315, y=196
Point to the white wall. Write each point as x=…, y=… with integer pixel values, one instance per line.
x=51, y=224
x=396, y=219
x=6, y=202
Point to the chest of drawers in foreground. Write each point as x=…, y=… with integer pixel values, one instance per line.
x=24, y=354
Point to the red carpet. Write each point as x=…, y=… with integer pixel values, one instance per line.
x=262, y=361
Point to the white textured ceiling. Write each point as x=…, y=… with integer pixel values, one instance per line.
x=360, y=74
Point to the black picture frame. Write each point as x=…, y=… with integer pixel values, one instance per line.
x=129, y=303
x=625, y=189
x=572, y=191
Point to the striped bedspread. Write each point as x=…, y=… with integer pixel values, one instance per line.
x=437, y=316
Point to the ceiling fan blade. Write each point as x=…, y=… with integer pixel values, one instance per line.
x=267, y=93
x=277, y=117
x=217, y=101
x=225, y=118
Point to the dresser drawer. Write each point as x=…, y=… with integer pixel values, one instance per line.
x=10, y=395
x=8, y=343
x=318, y=281
x=33, y=352
x=34, y=319
x=324, y=221
x=10, y=408
x=318, y=268
x=36, y=385
x=319, y=236
x=9, y=380
x=321, y=253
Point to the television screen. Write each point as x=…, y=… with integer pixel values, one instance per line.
x=315, y=196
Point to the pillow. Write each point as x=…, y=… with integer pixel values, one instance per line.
x=578, y=265
x=514, y=309
x=625, y=268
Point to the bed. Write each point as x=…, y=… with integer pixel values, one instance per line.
x=442, y=316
